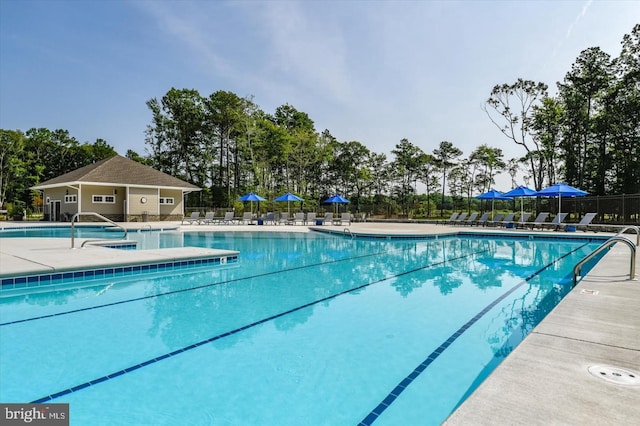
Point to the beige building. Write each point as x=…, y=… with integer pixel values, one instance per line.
x=118, y=188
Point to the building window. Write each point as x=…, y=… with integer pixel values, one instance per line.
x=105, y=199
x=167, y=200
x=70, y=199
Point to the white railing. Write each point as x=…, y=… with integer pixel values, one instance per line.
x=73, y=221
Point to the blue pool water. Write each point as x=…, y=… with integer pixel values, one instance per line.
x=306, y=329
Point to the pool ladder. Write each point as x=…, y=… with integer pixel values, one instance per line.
x=611, y=241
x=73, y=221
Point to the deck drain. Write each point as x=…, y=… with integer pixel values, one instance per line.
x=617, y=375
x=591, y=292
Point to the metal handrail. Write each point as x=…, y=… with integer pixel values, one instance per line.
x=75, y=216
x=611, y=241
x=635, y=228
x=348, y=231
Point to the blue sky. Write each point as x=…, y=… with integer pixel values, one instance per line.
x=371, y=71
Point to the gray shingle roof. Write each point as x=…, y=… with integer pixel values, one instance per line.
x=118, y=170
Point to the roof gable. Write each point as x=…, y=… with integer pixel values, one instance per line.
x=118, y=170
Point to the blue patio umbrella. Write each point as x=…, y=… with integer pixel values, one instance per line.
x=492, y=195
x=336, y=199
x=561, y=190
x=288, y=197
x=252, y=197
x=520, y=192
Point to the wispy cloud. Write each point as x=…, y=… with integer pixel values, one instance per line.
x=305, y=51
x=575, y=22
x=578, y=18
x=188, y=25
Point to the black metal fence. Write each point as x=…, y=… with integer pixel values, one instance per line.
x=611, y=209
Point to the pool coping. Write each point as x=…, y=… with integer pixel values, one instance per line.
x=545, y=379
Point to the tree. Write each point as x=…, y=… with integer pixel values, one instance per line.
x=427, y=175
x=406, y=166
x=445, y=155
x=175, y=135
x=12, y=167
x=490, y=161
x=513, y=104
x=583, y=91
x=547, y=126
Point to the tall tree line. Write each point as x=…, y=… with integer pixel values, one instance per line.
x=587, y=135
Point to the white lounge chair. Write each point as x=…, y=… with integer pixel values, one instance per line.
x=508, y=219
x=556, y=223
x=271, y=217
x=229, y=218
x=195, y=217
x=284, y=218
x=538, y=221
x=584, y=223
x=461, y=217
x=495, y=221
x=208, y=219
x=345, y=217
x=523, y=219
x=470, y=220
x=247, y=218
x=483, y=219
x=311, y=218
x=328, y=217
x=298, y=217
x=453, y=217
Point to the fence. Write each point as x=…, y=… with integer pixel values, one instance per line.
x=611, y=209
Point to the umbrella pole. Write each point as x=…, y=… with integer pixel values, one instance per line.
x=559, y=203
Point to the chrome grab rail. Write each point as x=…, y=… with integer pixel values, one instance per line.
x=73, y=221
x=611, y=241
x=348, y=231
x=635, y=228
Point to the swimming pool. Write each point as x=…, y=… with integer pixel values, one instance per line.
x=304, y=329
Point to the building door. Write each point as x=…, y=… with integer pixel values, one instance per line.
x=55, y=211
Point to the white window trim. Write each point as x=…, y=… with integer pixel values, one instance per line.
x=71, y=199
x=102, y=199
x=167, y=201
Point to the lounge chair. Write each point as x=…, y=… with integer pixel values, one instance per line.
x=328, y=217
x=508, y=219
x=483, y=219
x=453, y=217
x=311, y=218
x=345, y=217
x=298, y=217
x=459, y=219
x=228, y=218
x=583, y=224
x=208, y=219
x=495, y=221
x=538, y=221
x=360, y=217
x=271, y=217
x=556, y=222
x=195, y=217
x=471, y=219
x=247, y=218
x=523, y=219
x=284, y=218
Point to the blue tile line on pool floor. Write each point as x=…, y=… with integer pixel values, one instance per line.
x=237, y=330
x=393, y=395
x=208, y=285
x=63, y=278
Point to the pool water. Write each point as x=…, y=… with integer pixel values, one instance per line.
x=306, y=329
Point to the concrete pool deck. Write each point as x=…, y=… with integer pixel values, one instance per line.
x=545, y=380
